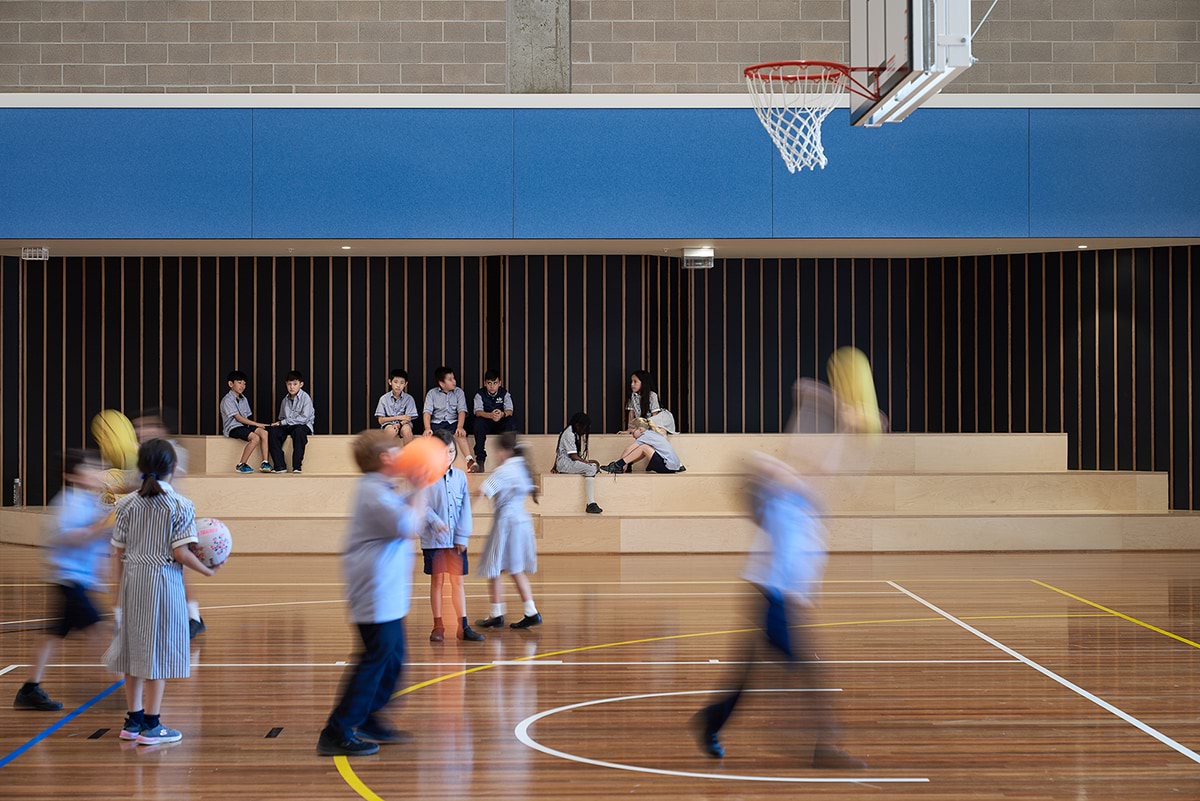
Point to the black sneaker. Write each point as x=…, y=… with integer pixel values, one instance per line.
x=471, y=634
x=279, y=470
x=35, y=699
x=705, y=737
x=594, y=509
x=329, y=745
x=379, y=732
x=491, y=622
x=295, y=469
x=528, y=622
x=613, y=467
x=196, y=627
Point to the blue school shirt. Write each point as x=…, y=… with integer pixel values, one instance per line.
x=788, y=554
x=449, y=503
x=75, y=564
x=378, y=558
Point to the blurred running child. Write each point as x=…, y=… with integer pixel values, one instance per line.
x=76, y=544
x=510, y=546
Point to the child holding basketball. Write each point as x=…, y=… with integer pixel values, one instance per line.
x=158, y=424
x=649, y=444
x=236, y=423
x=571, y=456
x=377, y=563
x=153, y=529
x=444, y=542
x=76, y=546
x=510, y=545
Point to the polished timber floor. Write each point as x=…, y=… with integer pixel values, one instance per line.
x=982, y=676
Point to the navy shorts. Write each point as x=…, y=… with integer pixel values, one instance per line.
x=76, y=610
x=242, y=432
x=657, y=465
x=443, y=426
x=444, y=560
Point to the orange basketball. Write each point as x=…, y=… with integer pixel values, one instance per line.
x=421, y=463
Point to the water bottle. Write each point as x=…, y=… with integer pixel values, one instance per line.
x=16, y=492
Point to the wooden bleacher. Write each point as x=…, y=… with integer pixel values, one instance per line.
x=900, y=492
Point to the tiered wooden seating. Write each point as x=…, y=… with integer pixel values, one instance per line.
x=900, y=492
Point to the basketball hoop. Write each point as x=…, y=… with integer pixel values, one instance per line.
x=793, y=98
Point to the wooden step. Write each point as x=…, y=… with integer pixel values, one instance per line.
x=996, y=492
x=1079, y=531
x=724, y=453
x=731, y=533
x=284, y=494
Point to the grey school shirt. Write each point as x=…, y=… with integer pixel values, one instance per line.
x=232, y=404
x=391, y=406
x=297, y=411
x=662, y=448
x=378, y=558
x=443, y=407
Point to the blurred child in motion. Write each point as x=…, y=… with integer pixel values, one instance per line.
x=76, y=548
x=789, y=554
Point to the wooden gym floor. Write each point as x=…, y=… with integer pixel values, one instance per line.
x=983, y=676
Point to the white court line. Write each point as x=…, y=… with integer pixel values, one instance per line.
x=522, y=734
x=560, y=663
x=1100, y=702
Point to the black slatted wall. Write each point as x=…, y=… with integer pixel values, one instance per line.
x=1095, y=343
x=84, y=334
x=1098, y=344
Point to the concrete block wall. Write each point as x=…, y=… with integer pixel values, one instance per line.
x=519, y=45
x=253, y=46
x=1025, y=46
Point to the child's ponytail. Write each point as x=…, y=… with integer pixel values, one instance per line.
x=156, y=461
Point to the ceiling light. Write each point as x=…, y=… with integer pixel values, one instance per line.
x=345, y=247
x=1082, y=247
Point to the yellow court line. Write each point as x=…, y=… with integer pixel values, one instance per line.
x=357, y=784
x=1121, y=615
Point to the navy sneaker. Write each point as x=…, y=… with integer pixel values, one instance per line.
x=244, y=468
x=34, y=698
x=196, y=627
x=131, y=729
x=594, y=509
x=158, y=735
x=265, y=467
x=331, y=745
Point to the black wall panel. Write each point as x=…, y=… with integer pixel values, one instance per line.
x=1098, y=344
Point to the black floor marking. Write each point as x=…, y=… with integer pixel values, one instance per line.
x=97, y=734
x=273, y=733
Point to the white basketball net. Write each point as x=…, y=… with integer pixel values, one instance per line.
x=791, y=101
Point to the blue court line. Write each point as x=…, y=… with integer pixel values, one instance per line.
x=100, y=696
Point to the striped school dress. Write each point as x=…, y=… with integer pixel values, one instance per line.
x=152, y=640
x=510, y=546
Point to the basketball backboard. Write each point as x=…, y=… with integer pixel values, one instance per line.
x=910, y=49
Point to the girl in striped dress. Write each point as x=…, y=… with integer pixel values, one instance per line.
x=510, y=545
x=153, y=529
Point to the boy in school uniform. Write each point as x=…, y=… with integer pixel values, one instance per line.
x=236, y=422
x=77, y=543
x=396, y=409
x=296, y=418
x=446, y=410
x=378, y=565
x=493, y=413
